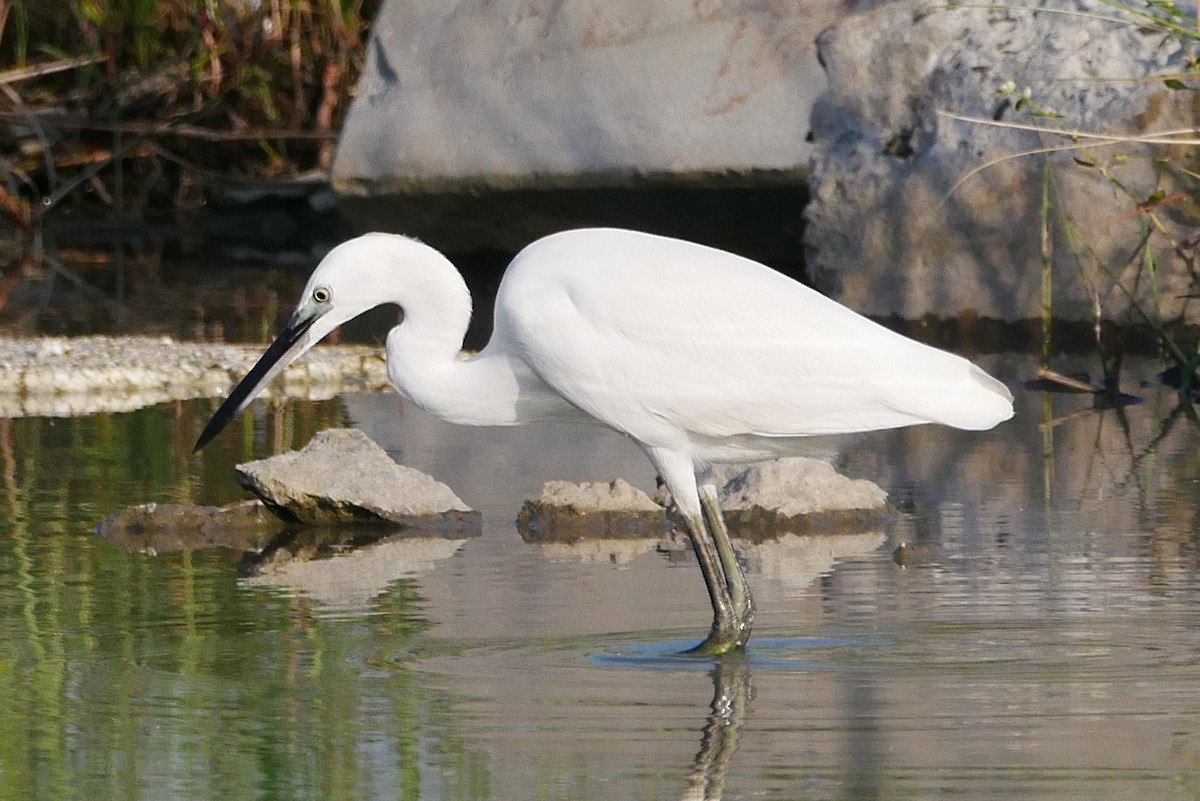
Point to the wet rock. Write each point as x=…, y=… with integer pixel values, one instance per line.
x=796, y=495
x=596, y=496
x=164, y=527
x=342, y=476
x=797, y=485
x=898, y=225
x=568, y=512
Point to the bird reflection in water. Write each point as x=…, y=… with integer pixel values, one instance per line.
x=732, y=692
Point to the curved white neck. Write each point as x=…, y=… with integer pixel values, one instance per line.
x=425, y=363
x=492, y=388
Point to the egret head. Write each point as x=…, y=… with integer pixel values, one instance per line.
x=352, y=279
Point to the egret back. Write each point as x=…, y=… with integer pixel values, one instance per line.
x=662, y=338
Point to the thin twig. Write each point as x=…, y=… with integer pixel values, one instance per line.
x=1102, y=140
x=26, y=115
x=50, y=201
x=1073, y=384
x=184, y=131
x=1170, y=137
x=83, y=286
x=17, y=74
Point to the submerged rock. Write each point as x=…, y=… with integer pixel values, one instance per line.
x=350, y=583
x=619, y=553
x=797, y=560
x=342, y=476
x=164, y=527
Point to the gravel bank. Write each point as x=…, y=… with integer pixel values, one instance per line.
x=65, y=377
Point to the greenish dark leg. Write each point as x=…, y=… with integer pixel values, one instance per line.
x=735, y=579
x=725, y=634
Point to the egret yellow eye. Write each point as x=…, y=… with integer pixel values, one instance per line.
x=321, y=295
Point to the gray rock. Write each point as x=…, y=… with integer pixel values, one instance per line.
x=797, y=485
x=801, y=496
x=795, y=495
x=341, y=476
x=899, y=226
x=597, y=496
x=568, y=512
x=535, y=93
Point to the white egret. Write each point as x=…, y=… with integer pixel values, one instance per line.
x=698, y=355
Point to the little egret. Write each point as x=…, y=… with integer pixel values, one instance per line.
x=698, y=355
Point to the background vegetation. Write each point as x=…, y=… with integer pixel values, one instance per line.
x=132, y=105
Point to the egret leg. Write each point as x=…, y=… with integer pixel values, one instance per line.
x=735, y=579
x=725, y=634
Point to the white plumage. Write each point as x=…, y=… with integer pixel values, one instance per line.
x=699, y=355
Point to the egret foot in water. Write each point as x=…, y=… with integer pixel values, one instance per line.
x=698, y=355
x=733, y=606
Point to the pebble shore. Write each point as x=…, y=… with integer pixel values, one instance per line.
x=65, y=377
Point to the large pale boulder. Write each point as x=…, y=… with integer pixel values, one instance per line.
x=531, y=93
x=899, y=224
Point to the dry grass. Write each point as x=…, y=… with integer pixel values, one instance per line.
x=142, y=103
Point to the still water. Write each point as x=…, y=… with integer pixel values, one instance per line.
x=1042, y=639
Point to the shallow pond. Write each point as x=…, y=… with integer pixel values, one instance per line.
x=1038, y=635
x=1041, y=639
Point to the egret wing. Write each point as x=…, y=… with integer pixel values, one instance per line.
x=654, y=336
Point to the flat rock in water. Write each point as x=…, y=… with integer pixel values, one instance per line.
x=342, y=476
x=166, y=527
x=795, y=495
x=597, y=496
x=798, y=495
x=570, y=512
x=798, y=485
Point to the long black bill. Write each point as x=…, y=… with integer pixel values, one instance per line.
x=283, y=351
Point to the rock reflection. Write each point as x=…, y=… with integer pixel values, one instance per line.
x=732, y=693
x=619, y=552
x=796, y=561
x=346, y=569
